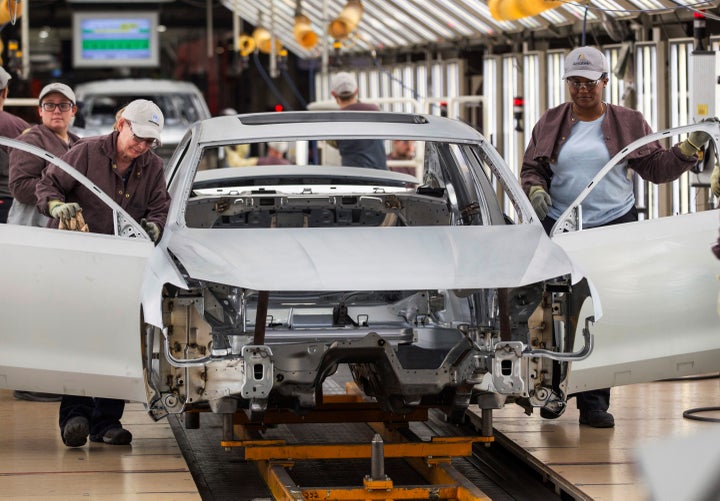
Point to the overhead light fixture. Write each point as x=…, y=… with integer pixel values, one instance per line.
x=246, y=44
x=302, y=30
x=263, y=39
x=511, y=10
x=9, y=11
x=346, y=22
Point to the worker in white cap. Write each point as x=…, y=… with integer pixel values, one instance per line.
x=569, y=145
x=56, y=108
x=133, y=174
x=10, y=126
x=357, y=152
x=124, y=166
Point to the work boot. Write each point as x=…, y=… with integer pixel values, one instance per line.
x=76, y=431
x=597, y=419
x=113, y=436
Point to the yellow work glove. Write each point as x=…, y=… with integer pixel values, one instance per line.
x=62, y=210
x=715, y=181
x=540, y=201
x=152, y=229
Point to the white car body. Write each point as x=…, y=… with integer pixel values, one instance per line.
x=92, y=314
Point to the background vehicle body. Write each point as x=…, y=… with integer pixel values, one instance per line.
x=426, y=290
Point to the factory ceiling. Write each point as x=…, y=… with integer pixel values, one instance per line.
x=392, y=28
x=399, y=25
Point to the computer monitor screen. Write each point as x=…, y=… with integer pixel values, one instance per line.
x=102, y=39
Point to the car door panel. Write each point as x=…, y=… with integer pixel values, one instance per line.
x=70, y=303
x=71, y=314
x=658, y=287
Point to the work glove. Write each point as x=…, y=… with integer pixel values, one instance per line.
x=76, y=223
x=62, y=210
x=540, y=201
x=152, y=229
x=696, y=140
x=715, y=181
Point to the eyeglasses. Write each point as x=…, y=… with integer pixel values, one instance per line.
x=584, y=85
x=149, y=142
x=61, y=106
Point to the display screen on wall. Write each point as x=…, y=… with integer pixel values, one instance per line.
x=102, y=39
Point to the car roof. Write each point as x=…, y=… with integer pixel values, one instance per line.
x=131, y=86
x=309, y=125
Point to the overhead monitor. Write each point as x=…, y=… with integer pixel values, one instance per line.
x=104, y=39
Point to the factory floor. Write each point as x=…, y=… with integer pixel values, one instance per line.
x=601, y=463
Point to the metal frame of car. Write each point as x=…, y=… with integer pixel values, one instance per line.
x=233, y=366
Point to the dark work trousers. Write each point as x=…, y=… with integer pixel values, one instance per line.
x=102, y=413
x=5, y=203
x=595, y=400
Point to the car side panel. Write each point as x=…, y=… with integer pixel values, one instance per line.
x=70, y=311
x=658, y=287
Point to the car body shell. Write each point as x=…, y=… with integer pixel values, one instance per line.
x=108, y=289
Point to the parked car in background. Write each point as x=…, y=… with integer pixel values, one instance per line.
x=182, y=104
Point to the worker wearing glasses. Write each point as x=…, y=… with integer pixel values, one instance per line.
x=25, y=170
x=569, y=145
x=56, y=108
x=124, y=166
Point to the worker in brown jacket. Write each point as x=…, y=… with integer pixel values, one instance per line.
x=10, y=126
x=56, y=107
x=124, y=166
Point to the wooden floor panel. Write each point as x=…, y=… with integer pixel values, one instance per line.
x=34, y=463
x=602, y=462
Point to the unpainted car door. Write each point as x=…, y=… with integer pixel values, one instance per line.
x=70, y=305
x=657, y=284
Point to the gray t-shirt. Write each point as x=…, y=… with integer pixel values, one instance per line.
x=363, y=152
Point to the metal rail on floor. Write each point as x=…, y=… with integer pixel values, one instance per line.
x=431, y=459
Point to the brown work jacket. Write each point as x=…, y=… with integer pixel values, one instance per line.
x=143, y=195
x=26, y=168
x=621, y=126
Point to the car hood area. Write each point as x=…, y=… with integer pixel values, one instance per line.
x=392, y=258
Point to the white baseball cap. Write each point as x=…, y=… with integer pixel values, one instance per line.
x=4, y=78
x=343, y=84
x=146, y=118
x=59, y=88
x=280, y=146
x=586, y=62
